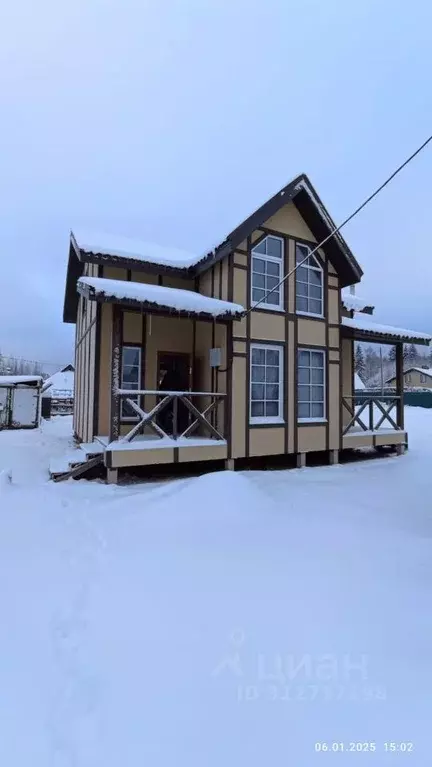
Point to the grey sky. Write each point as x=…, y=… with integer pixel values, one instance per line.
x=173, y=120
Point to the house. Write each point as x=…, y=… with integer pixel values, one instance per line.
x=20, y=401
x=415, y=376
x=185, y=358
x=58, y=392
x=61, y=384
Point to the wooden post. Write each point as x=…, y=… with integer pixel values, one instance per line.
x=115, y=372
x=230, y=464
x=112, y=476
x=399, y=385
x=175, y=418
x=301, y=460
x=333, y=457
x=371, y=415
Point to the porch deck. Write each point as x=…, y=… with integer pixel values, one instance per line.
x=373, y=423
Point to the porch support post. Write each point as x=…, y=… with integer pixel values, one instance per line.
x=399, y=385
x=333, y=457
x=301, y=460
x=115, y=372
x=112, y=476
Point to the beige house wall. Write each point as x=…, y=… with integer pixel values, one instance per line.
x=85, y=351
x=414, y=378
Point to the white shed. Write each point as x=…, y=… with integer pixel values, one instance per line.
x=20, y=402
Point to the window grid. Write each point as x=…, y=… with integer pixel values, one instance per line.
x=266, y=383
x=309, y=283
x=311, y=385
x=267, y=272
x=130, y=379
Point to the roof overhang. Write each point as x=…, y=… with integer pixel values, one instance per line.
x=103, y=291
x=362, y=330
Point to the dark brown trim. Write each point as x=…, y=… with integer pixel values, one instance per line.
x=176, y=455
x=212, y=282
x=334, y=324
x=265, y=342
x=286, y=370
x=96, y=392
x=240, y=338
x=341, y=414
x=240, y=251
x=143, y=358
x=327, y=368
x=160, y=279
x=239, y=354
x=86, y=257
x=333, y=348
x=373, y=337
x=117, y=339
x=129, y=275
x=333, y=287
x=400, y=385
x=280, y=312
x=108, y=459
x=228, y=402
x=311, y=318
x=295, y=374
x=267, y=425
x=220, y=279
x=308, y=424
x=334, y=362
x=241, y=266
x=248, y=345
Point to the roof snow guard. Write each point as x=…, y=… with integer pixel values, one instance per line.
x=110, y=250
x=158, y=299
x=361, y=329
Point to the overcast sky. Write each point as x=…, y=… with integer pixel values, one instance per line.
x=173, y=120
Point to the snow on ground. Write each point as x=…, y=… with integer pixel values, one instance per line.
x=229, y=619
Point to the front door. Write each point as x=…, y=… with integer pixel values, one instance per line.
x=173, y=375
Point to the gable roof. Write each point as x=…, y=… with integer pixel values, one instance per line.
x=131, y=254
x=424, y=371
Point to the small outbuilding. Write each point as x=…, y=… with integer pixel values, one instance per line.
x=20, y=402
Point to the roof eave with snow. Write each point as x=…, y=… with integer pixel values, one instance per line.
x=361, y=329
x=157, y=299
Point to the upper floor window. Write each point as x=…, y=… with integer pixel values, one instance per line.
x=311, y=385
x=267, y=272
x=130, y=379
x=309, y=283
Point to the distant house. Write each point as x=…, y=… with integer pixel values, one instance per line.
x=415, y=376
x=20, y=402
x=61, y=384
x=60, y=389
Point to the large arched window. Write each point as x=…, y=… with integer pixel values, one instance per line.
x=309, y=283
x=267, y=272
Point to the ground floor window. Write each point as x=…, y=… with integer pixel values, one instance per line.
x=311, y=385
x=130, y=379
x=266, y=383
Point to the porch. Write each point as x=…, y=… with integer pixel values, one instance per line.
x=181, y=427
x=374, y=421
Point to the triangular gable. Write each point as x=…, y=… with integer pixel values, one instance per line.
x=303, y=195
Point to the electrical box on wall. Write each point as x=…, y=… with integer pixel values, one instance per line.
x=215, y=358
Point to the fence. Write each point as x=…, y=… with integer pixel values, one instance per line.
x=412, y=397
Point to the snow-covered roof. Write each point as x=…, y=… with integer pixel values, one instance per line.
x=16, y=380
x=158, y=295
x=358, y=383
x=425, y=371
x=60, y=385
x=366, y=326
x=134, y=250
x=353, y=302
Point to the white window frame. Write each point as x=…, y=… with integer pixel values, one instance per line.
x=313, y=419
x=422, y=378
x=273, y=259
x=127, y=418
x=314, y=269
x=268, y=419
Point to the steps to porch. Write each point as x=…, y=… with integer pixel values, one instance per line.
x=77, y=462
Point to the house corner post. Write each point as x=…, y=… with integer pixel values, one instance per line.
x=115, y=373
x=399, y=385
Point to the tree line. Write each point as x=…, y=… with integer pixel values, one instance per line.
x=16, y=366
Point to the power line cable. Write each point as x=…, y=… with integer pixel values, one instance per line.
x=338, y=228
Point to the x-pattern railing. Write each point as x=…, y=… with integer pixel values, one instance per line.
x=148, y=419
x=384, y=405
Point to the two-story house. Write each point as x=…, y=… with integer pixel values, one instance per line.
x=233, y=355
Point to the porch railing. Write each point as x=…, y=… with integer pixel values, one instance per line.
x=196, y=417
x=376, y=411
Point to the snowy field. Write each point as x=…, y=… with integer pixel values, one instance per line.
x=231, y=619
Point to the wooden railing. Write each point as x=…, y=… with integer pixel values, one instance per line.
x=196, y=418
x=383, y=404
